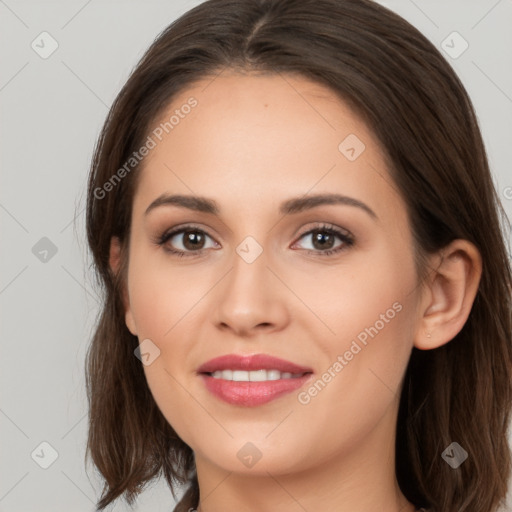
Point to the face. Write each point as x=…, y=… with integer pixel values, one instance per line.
x=328, y=286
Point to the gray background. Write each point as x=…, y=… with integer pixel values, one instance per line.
x=52, y=111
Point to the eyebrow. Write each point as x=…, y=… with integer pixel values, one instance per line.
x=288, y=207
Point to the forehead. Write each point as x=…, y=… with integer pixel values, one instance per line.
x=261, y=138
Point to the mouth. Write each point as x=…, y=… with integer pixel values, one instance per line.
x=253, y=375
x=253, y=380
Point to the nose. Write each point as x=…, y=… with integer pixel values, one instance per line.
x=251, y=299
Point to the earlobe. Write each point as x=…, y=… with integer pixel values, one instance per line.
x=130, y=323
x=115, y=262
x=451, y=291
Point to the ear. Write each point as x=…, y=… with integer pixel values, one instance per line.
x=115, y=254
x=115, y=264
x=449, y=294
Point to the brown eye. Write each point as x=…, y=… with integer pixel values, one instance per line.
x=193, y=240
x=321, y=240
x=324, y=240
x=185, y=241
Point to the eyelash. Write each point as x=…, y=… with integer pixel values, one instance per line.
x=348, y=240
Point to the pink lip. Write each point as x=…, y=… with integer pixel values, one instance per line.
x=252, y=362
x=250, y=394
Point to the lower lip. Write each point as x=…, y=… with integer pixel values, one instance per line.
x=251, y=394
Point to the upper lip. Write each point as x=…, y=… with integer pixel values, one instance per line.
x=251, y=362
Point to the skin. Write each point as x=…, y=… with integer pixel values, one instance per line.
x=251, y=143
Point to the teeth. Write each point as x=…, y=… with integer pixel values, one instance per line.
x=253, y=376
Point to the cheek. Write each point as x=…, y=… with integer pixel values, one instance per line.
x=366, y=360
x=161, y=295
x=370, y=313
x=366, y=299
x=166, y=303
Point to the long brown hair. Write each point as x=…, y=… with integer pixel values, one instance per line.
x=404, y=89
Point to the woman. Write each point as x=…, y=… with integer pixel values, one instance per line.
x=307, y=290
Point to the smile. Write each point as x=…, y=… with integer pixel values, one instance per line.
x=254, y=376
x=252, y=380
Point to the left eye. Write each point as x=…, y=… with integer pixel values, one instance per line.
x=323, y=239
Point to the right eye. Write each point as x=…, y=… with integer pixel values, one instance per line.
x=190, y=238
